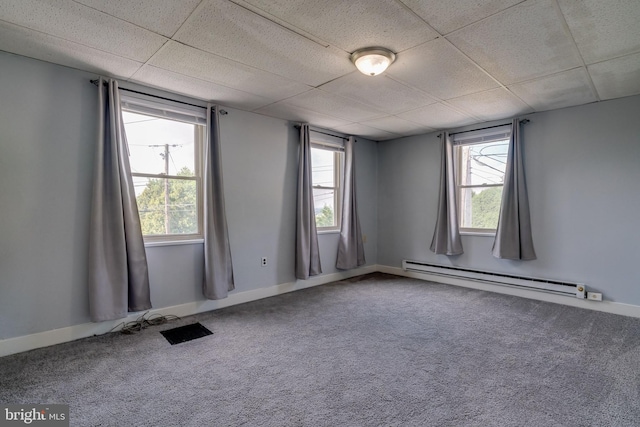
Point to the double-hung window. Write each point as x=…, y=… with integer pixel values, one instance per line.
x=165, y=152
x=480, y=161
x=326, y=177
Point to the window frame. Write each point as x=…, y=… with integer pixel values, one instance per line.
x=338, y=178
x=142, y=105
x=500, y=133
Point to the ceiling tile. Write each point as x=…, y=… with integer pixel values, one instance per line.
x=447, y=16
x=397, y=125
x=438, y=116
x=228, y=30
x=380, y=92
x=440, y=70
x=354, y=24
x=334, y=105
x=493, y=104
x=618, y=77
x=72, y=21
x=200, y=89
x=34, y=44
x=206, y=66
x=556, y=91
x=251, y=53
x=366, y=132
x=160, y=16
x=522, y=43
x=603, y=29
x=285, y=111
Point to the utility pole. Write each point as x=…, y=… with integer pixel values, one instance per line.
x=166, y=189
x=165, y=156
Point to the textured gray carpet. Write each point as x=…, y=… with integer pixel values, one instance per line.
x=378, y=350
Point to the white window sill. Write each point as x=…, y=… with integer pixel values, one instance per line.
x=328, y=231
x=155, y=243
x=475, y=233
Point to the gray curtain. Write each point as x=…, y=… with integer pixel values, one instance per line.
x=118, y=272
x=446, y=236
x=307, y=251
x=218, y=268
x=513, y=236
x=350, y=246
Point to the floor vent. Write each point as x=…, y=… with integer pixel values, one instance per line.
x=185, y=333
x=577, y=290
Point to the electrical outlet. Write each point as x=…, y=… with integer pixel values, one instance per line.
x=263, y=262
x=594, y=296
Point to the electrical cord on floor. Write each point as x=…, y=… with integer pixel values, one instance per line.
x=144, y=322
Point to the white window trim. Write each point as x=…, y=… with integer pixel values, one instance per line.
x=473, y=138
x=155, y=243
x=338, y=179
x=141, y=104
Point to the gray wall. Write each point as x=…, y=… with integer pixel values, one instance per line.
x=582, y=164
x=47, y=132
x=583, y=171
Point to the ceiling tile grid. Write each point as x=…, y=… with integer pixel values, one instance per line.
x=192, y=62
x=561, y=90
x=207, y=91
x=160, y=16
x=228, y=30
x=451, y=15
x=74, y=22
x=440, y=70
x=285, y=111
x=522, y=43
x=493, y=104
x=34, y=44
x=397, y=125
x=603, y=29
x=380, y=92
x=438, y=116
x=618, y=77
x=366, y=131
x=379, y=22
x=459, y=62
x=334, y=105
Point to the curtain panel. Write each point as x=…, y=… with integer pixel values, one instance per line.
x=307, y=250
x=350, y=245
x=513, y=236
x=218, y=266
x=118, y=273
x=446, y=236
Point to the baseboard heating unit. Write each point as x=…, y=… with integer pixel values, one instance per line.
x=576, y=290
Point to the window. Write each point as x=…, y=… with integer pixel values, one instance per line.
x=326, y=175
x=165, y=152
x=480, y=162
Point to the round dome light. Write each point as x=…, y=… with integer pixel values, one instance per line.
x=372, y=60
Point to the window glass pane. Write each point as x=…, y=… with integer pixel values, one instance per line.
x=322, y=173
x=159, y=146
x=482, y=163
x=480, y=207
x=167, y=206
x=324, y=204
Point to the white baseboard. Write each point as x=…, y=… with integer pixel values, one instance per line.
x=57, y=336
x=605, y=306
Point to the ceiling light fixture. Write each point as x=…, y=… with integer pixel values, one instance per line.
x=372, y=60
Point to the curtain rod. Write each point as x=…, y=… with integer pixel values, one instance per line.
x=223, y=112
x=525, y=121
x=324, y=133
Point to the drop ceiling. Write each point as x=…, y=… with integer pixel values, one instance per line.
x=459, y=62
